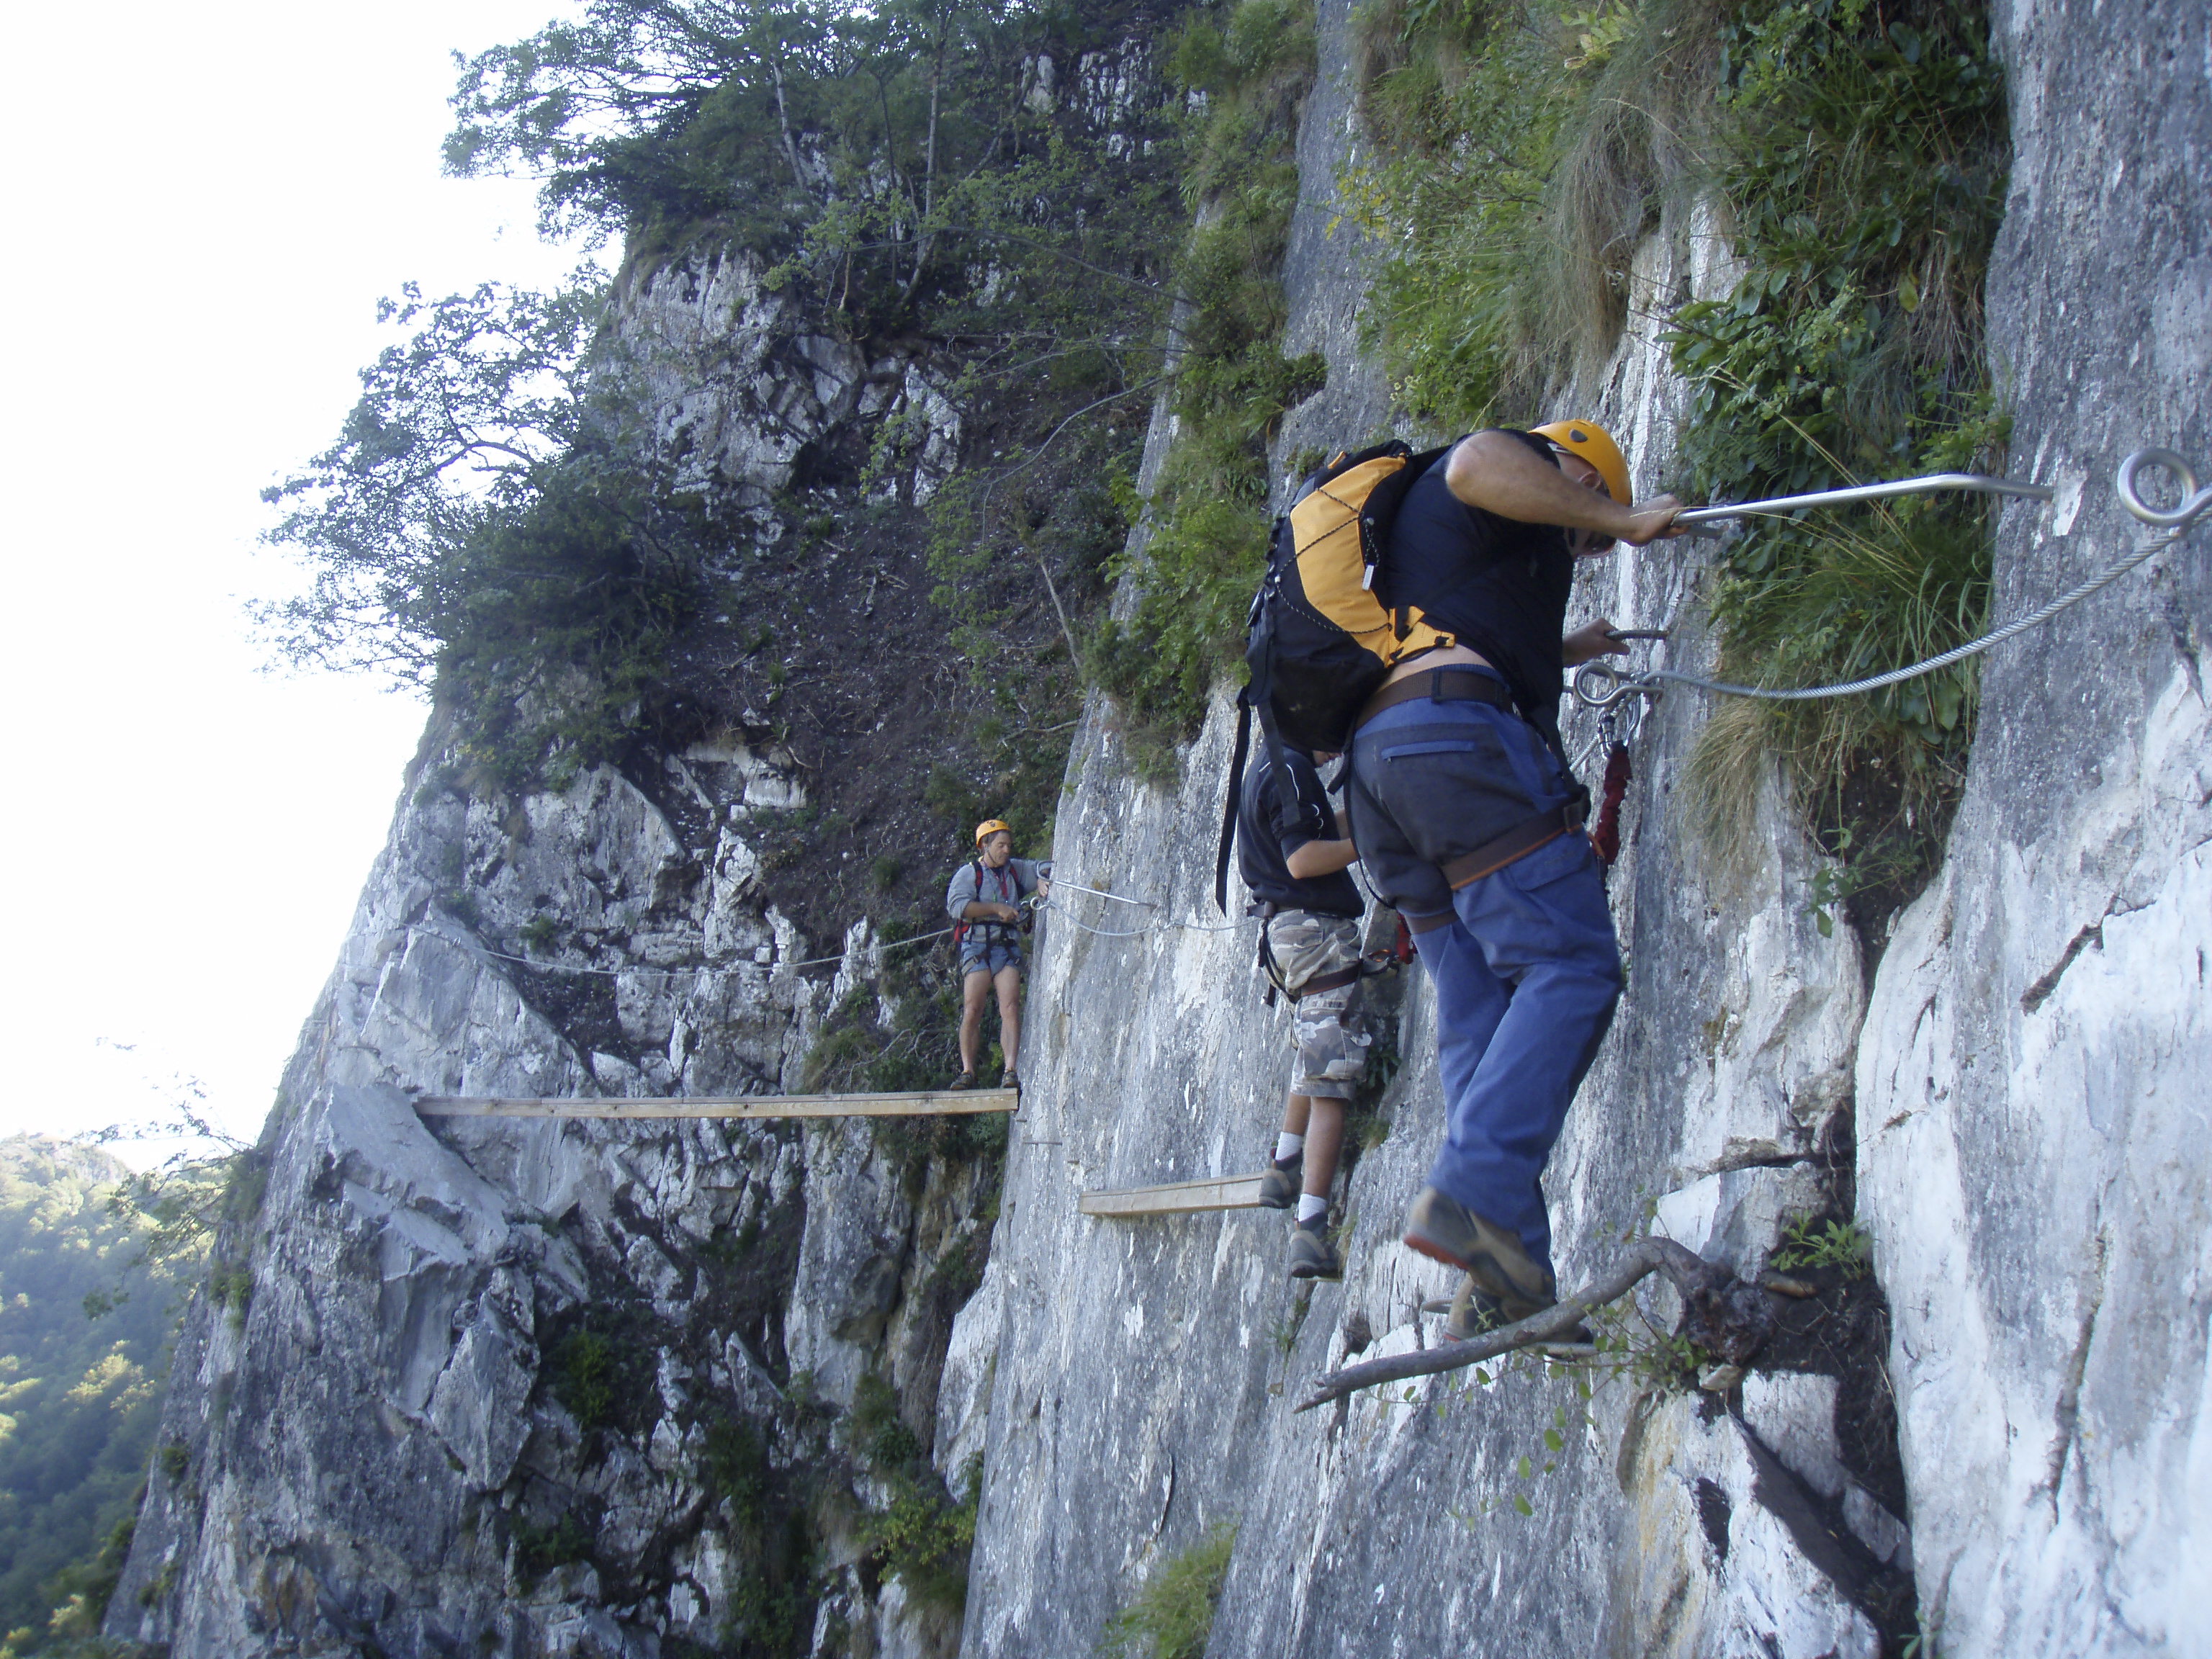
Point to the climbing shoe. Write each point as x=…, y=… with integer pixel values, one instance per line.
x=1447, y=1230
x=1312, y=1256
x=965, y=1080
x=1009, y=1081
x=1279, y=1183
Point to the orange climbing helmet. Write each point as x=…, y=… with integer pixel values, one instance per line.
x=1588, y=441
x=991, y=827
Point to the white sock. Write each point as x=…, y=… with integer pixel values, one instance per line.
x=1288, y=1147
x=1309, y=1206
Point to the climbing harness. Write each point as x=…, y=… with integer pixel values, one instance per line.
x=1600, y=686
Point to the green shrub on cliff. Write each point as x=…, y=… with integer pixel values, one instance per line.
x=1852, y=164
x=1863, y=158
x=1245, y=71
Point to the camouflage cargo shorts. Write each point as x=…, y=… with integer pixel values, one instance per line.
x=1325, y=1025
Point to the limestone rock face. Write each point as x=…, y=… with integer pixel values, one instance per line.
x=451, y=1353
x=2030, y=1089
x=2018, y=1075
x=470, y=1352
x=1146, y=1370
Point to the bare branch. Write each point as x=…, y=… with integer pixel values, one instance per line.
x=1725, y=1315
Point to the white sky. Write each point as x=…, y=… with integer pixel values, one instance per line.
x=205, y=204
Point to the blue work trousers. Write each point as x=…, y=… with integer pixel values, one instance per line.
x=1526, y=971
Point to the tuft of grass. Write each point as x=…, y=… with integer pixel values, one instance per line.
x=1857, y=159
x=1863, y=158
x=1519, y=154
x=1173, y=1615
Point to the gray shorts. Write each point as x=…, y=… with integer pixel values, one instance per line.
x=1326, y=1027
x=984, y=957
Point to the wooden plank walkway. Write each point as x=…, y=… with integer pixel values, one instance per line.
x=919, y=1101
x=1177, y=1198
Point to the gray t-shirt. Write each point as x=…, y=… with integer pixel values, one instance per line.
x=1008, y=884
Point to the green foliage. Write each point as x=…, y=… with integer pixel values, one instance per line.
x=450, y=433
x=1173, y=1615
x=772, y=1606
x=1066, y=526
x=539, y=1549
x=485, y=525
x=1207, y=544
x=79, y=1397
x=1519, y=154
x=598, y=1373
x=1809, y=1244
x=498, y=518
x=922, y=1535
x=1864, y=157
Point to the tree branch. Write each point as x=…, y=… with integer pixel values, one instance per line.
x=1722, y=1314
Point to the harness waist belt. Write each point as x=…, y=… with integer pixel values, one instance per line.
x=1341, y=977
x=1457, y=683
x=1522, y=839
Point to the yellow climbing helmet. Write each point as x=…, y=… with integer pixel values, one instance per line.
x=991, y=827
x=1588, y=441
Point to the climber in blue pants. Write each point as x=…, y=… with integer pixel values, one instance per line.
x=1468, y=823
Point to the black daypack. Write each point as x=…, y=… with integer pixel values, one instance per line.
x=1321, y=635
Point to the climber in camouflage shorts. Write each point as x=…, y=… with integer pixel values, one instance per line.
x=1325, y=1025
x=1293, y=855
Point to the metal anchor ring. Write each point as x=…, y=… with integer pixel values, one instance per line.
x=1601, y=685
x=2194, y=501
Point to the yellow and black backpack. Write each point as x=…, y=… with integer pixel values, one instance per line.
x=1322, y=634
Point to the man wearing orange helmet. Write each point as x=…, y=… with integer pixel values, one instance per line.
x=984, y=900
x=1468, y=823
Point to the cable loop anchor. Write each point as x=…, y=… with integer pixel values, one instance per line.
x=1601, y=685
x=2194, y=501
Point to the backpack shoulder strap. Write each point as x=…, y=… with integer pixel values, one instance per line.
x=1236, y=801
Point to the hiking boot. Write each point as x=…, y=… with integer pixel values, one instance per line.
x=965, y=1080
x=1447, y=1231
x=1312, y=1256
x=1008, y=1081
x=1279, y=1183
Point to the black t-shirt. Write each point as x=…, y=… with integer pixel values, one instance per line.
x=1273, y=824
x=1499, y=584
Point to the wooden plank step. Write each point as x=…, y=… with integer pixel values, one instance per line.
x=1175, y=1198
x=914, y=1103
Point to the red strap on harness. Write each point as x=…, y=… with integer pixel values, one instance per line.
x=1604, y=833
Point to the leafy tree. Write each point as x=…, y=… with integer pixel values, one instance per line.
x=453, y=433
x=499, y=517
x=79, y=1397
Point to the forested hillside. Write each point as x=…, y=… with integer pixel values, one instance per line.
x=84, y=1336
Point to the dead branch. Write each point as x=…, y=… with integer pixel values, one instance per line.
x=1722, y=1314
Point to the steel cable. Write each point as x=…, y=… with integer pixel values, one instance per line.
x=1600, y=685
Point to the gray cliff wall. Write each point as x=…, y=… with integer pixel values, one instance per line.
x=443, y=1353
x=463, y=1354
x=1141, y=1374
x=2022, y=1080
x=2032, y=1094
